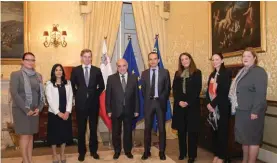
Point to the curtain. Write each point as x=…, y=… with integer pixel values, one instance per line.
x=148, y=24
x=101, y=19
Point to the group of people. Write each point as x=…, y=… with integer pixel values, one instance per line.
x=245, y=97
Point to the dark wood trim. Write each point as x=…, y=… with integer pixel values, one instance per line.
x=271, y=115
x=272, y=103
x=269, y=144
x=238, y=65
x=127, y=2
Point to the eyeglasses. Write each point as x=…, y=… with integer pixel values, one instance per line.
x=30, y=60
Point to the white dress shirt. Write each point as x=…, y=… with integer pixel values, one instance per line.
x=52, y=95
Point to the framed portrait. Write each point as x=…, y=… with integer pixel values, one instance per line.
x=236, y=25
x=234, y=69
x=14, y=31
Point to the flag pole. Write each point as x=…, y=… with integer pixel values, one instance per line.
x=107, y=142
x=110, y=144
x=136, y=143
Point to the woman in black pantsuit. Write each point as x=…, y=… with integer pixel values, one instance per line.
x=187, y=85
x=59, y=96
x=218, y=102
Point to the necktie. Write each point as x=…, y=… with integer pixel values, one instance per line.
x=123, y=83
x=152, y=89
x=86, y=75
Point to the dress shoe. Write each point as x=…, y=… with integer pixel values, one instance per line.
x=182, y=157
x=145, y=155
x=116, y=155
x=129, y=155
x=162, y=156
x=81, y=158
x=191, y=160
x=227, y=160
x=95, y=156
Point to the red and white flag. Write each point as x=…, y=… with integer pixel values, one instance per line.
x=106, y=70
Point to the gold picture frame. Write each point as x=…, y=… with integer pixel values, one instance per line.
x=261, y=48
x=17, y=61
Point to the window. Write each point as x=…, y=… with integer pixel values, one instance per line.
x=127, y=27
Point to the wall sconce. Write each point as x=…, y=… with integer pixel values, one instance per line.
x=56, y=37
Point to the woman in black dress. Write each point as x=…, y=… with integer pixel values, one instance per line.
x=219, y=105
x=187, y=86
x=59, y=96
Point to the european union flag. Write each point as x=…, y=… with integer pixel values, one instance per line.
x=133, y=68
x=168, y=114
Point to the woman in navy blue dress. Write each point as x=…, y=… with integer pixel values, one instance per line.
x=59, y=96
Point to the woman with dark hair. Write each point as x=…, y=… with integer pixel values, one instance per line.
x=59, y=96
x=248, y=99
x=27, y=92
x=186, y=87
x=219, y=105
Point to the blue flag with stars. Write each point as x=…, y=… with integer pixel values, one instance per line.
x=129, y=56
x=168, y=114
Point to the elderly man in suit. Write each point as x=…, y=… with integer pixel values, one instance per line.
x=122, y=105
x=155, y=89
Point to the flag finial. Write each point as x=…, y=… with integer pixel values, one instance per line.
x=129, y=37
x=105, y=38
x=156, y=36
x=155, y=50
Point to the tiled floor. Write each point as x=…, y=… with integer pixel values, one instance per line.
x=171, y=151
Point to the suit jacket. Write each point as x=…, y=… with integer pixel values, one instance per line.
x=252, y=89
x=115, y=95
x=164, y=87
x=189, y=115
x=82, y=92
x=52, y=95
x=223, y=86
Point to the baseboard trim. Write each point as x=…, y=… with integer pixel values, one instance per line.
x=267, y=156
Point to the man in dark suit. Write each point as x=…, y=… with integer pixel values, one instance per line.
x=155, y=89
x=122, y=105
x=87, y=84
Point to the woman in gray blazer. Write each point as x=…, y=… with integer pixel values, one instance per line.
x=28, y=99
x=248, y=99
